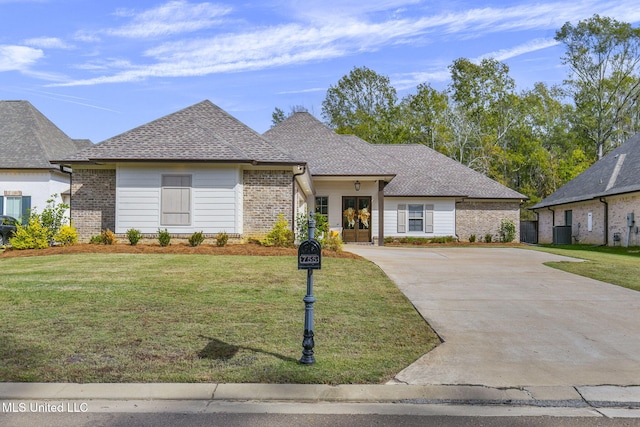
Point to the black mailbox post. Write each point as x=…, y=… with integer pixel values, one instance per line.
x=309, y=258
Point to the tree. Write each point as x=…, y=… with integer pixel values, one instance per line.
x=278, y=116
x=425, y=114
x=364, y=103
x=603, y=57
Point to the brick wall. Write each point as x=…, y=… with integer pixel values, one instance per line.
x=93, y=201
x=484, y=217
x=267, y=194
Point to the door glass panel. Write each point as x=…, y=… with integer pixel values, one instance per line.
x=364, y=213
x=349, y=213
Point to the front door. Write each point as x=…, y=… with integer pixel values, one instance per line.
x=356, y=219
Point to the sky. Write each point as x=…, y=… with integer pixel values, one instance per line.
x=99, y=68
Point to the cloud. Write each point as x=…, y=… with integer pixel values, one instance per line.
x=530, y=46
x=18, y=58
x=349, y=33
x=48, y=42
x=174, y=17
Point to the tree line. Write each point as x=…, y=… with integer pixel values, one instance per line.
x=534, y=140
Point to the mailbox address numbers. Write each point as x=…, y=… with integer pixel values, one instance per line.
x=309, y=255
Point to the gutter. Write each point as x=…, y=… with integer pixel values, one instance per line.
x=606, y=220
x=293, y=195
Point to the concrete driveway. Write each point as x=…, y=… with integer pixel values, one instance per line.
x=508, y=321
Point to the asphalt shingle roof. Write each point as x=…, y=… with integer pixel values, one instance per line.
x=201, y=132
x=418, y=169
x=616, y=173
x=28, y=140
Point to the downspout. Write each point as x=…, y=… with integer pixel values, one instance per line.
x=293, y=196
x=606, y=221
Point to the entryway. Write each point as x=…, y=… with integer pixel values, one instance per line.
x=356, y=219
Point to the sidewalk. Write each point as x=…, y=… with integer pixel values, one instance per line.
x=609, y=401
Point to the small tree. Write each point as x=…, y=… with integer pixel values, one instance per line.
x=53, y=216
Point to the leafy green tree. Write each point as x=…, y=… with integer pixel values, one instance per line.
x=603, y=56
x=424, y=114
x=364, y=103
x=279, y=115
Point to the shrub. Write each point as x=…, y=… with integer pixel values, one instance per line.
x=196, y=239
x=134, y=236
x=472, y=238
x=443, y=239
x=108, y=237
x=96, y=240
x=222, y=239
x=53, y=216
x=507, y=231
x=66, y=235
x=33, y=235
x=164, y=237
x=280, y=235
x=488, y=237
x=302, y=226
x=333, y=242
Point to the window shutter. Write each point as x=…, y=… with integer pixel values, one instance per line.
x=402, y=218
x=1, y=205
x=26, y=207
x=428, y=219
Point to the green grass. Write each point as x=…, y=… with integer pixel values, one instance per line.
x=617, y=265
x=201, y=318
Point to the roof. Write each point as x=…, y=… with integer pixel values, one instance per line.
x=28, y=140
x=202, y=132
x=326, y=152
x=419, y=170
x=616, y=173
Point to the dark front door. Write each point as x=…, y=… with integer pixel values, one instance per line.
x=356, y=219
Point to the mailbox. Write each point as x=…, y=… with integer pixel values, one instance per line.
x=309, y=255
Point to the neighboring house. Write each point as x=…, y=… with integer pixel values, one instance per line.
x=599, y=206
x=410, y=190
x=200, y=169
x=28, y=143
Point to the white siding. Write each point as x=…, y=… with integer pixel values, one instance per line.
x=214, y=198
x=39, y=185
x=444, y=216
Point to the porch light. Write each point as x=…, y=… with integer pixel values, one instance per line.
x=357, y=185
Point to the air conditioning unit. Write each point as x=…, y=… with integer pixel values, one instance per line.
x=562, y=235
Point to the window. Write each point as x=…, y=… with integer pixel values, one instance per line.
x=416, y=217
x=176, y=200
x=16, y=206
x=322, y=205
x=568, y=217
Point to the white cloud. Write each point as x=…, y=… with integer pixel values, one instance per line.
x=173, y=17
x=48, y=42
x=302, y=42
x=18, y=58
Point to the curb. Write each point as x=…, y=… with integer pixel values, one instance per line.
x=554, y=396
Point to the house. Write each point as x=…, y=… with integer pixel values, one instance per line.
x=597, y=207
x=200, y=169
x=409, y=190
x=28, y=143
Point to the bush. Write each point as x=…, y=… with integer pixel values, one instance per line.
x=96, y=240
x=280, y=235
x=507, y=231
x=488, y=237
x=333, y=242
x=472, y=238
x=222, y=239
x=196, y=239
x=108, y=237
x=53, y=216
x=164, y=237
x=33, y=235
x=134, y=236
x=66, y=235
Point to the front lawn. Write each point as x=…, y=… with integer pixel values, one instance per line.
x=617, y=265
x=201, y=318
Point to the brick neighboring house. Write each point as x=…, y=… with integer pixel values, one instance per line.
x=28, y=143
x=599, y=206
x=200, y=169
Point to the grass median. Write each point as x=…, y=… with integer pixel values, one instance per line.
x=201, y=318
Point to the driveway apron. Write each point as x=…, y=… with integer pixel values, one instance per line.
x=508, y=320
